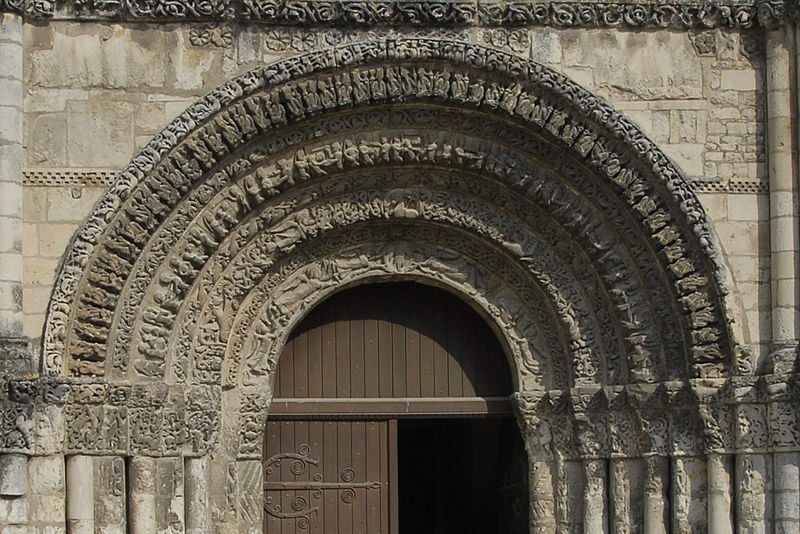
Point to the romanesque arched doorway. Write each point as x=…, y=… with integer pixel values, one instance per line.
x=391, y=413
x=448, y=163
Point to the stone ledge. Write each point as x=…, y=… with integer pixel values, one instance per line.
x=359, y=13
x=43, y=177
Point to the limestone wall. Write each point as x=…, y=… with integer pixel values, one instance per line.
x=96, y=92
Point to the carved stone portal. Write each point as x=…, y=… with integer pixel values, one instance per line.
x=580, y=244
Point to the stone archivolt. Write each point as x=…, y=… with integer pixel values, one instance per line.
x=447, y=163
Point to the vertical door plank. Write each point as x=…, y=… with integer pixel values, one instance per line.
x=272, y=447
x=314, y=346
x=470, y=354
x=487, y=377
x=414, y=341
x=356, y=315
x=385, y=349
x=440, y=355
x=373, y=472
x=394, y=499
x=453, y=338
x=329, y=352
x=426, y=380
x=345, y=454
x=398, y=352
x=300, y=360
x=371, y=346
x=359, y=459
x=342, y=350
x=301, y=441
x=316, y=443
x=284, y=380
x=329, y=473
x=287, y=445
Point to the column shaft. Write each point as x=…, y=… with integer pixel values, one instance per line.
x=782, y=191
x=720, y=520
x=787, y=492
x=655, y=495
x=80, y=494
x=142, y=495
x=198, y=515
x=595, y=503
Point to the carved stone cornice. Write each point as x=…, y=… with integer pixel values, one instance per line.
x=358, y=13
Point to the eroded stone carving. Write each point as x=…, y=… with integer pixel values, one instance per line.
x=417, y=13
x=106, y=272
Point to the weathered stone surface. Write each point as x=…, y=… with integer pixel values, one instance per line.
x=13, y=475
x=47, y=140
x=97, y=127
x=634, y=65
x=100, y=56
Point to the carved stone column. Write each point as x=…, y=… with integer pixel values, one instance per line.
x=250, y=498
x=14, y=502
x=655, y=495
x=198, y=513
x=783, y=222
x=142, y=495
x=689, y=495
x=626, y=480
x=595, y=502
x=753, y=493
x=720, y=520
x=109, y=494
x=80, y=494
x=542, y=510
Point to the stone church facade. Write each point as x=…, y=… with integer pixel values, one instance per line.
x=612, y=187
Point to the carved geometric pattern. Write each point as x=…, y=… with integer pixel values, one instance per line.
x=53, y=177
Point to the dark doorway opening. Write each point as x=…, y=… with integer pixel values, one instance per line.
x=461, y=476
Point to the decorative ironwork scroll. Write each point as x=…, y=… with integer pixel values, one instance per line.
x=301, y=509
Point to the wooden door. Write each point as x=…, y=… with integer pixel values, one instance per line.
x=329, y=476
x=363, y=360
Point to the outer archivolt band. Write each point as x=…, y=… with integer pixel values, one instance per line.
x=548, y=105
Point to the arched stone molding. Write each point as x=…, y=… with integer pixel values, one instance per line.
x=569, y=125
x=445, y=163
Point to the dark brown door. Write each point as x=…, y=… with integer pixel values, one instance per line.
x=354, y=385
x=331, y=476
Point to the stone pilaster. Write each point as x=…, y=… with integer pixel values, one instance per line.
x=14, y=358
x=13, y=492
x=782, y=191
x=787, y=492
x=46, y=476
